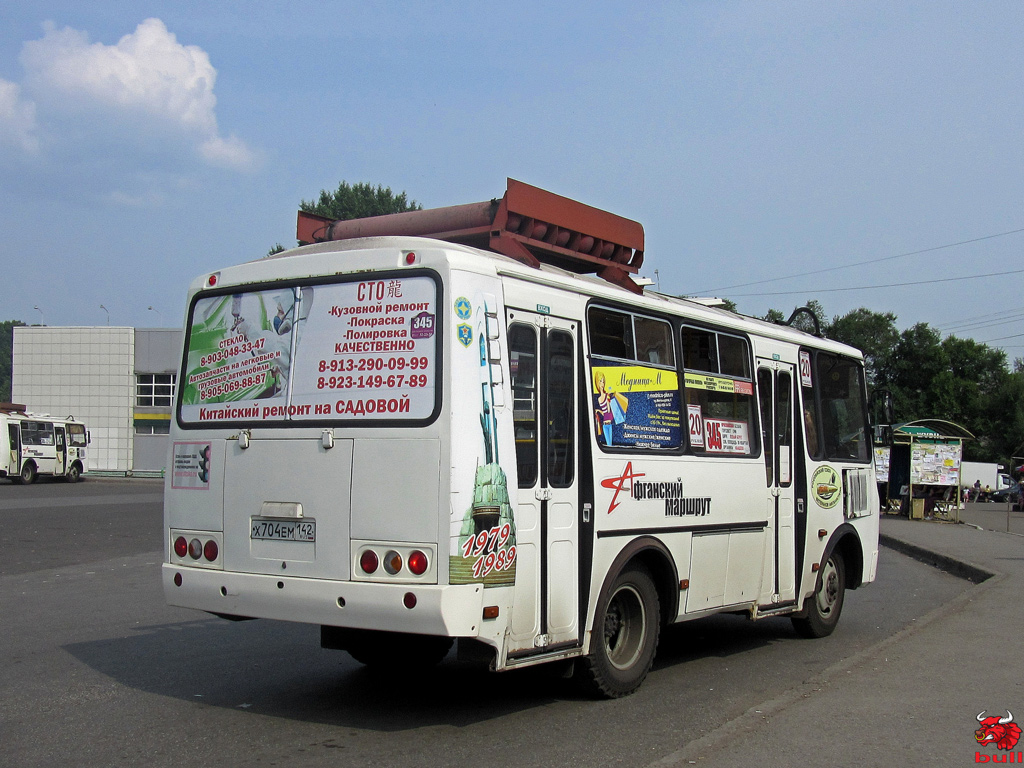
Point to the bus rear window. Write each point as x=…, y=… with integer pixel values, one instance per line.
x=346, y=353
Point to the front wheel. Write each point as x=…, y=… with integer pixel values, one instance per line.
x=625, y=636
x=74, y=474
x=822, y=609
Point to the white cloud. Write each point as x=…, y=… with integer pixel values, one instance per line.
x=226, y=153
x=147, y=77
x=17, y=118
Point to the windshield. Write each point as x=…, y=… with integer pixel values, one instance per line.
x=358, y=351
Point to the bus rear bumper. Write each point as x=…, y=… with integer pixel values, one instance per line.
x=452, y=611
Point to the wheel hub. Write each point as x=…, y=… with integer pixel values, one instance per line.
x=829, y=592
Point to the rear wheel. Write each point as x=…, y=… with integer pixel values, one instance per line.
x=822, y=609
x=28, y=473
x=625, y=636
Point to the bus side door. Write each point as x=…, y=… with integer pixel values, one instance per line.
x=775, y=390
x=543, y=361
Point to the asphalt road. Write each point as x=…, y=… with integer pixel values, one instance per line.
x=98, y=671
x=994, y=516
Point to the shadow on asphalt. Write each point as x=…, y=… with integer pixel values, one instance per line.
x=278, y=669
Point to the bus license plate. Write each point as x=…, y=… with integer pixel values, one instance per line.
x=284, y=530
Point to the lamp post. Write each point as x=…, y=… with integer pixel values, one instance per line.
x=108, y=313
x=160, y=316
x=42, y=317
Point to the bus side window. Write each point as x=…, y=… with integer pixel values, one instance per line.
x=611, y=334
x=522, y=344
x=632, y=356
x=720, y=391
x=654, y=341
x=764, y=391
x=36, y=433
x=559, y=399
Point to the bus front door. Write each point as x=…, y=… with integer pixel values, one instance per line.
x=60, y=443
x=14, y=445
x=543, y=362
x=775, y=388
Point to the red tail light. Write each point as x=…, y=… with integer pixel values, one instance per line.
x=418, y=563
x=180, y=546
x=368, y=561
x=210, y=551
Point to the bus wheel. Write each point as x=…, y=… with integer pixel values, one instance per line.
x=625, y=636
x=822, y=609
x=393, y=651
x=28, y=473
x=74, y=474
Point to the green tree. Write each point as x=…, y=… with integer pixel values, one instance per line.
x=359, y=200
x=914, y=362
x=873, y=333
x=355, y=201
x=6, y=357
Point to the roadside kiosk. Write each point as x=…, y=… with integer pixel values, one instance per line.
x=924, y=469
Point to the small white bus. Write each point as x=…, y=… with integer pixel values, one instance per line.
x=409, y=441
x=34, y=444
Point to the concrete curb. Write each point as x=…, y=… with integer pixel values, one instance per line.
x=972, y=573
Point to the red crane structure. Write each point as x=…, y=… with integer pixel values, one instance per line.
x=528, y=224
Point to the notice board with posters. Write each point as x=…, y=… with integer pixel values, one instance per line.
x=935, y=463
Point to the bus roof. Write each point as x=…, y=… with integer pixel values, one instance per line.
x=475, y=259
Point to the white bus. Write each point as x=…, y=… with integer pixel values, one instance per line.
x=408, y=442
x=34, y=444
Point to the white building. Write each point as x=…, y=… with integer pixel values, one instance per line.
x=119, y=381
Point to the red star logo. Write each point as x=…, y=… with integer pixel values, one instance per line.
x=618, y=483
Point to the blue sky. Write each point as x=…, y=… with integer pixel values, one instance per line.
x=143, y=143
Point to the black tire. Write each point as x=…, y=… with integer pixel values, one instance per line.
x=392, y=651
x=28, y=473
x=625, y=636
x=74, y=474
x=823, y=608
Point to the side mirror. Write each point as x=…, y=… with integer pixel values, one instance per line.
x=881, y=409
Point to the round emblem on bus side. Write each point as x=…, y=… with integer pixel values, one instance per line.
x=826, y=487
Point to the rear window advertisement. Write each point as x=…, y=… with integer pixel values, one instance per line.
x=636, y=406
x=362, y=350
x=239, y=348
